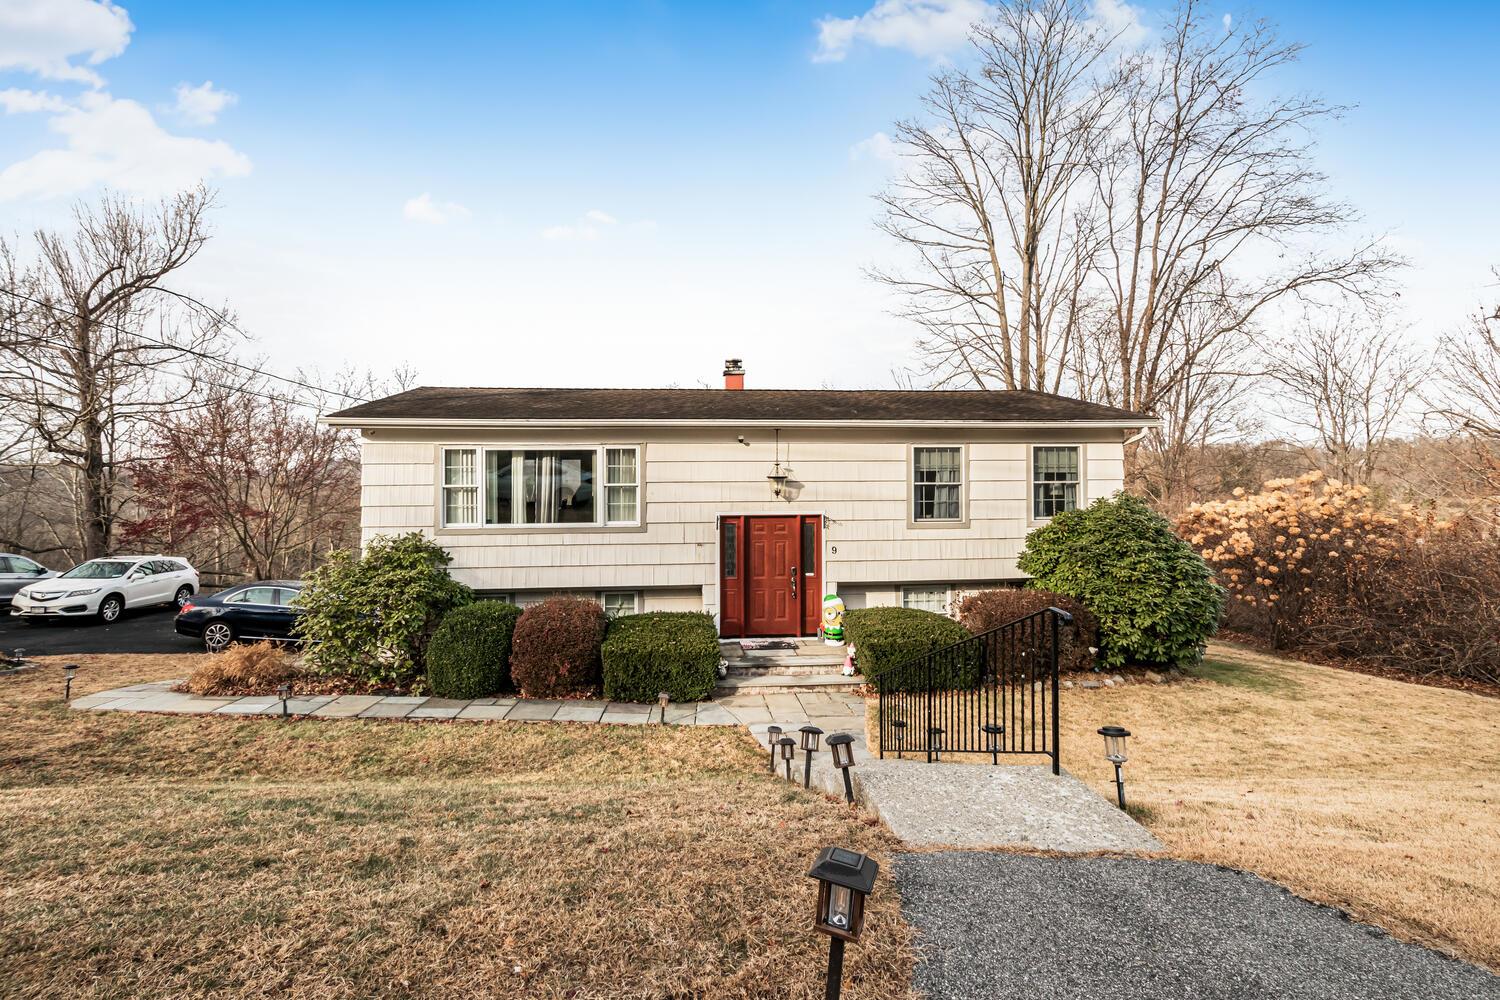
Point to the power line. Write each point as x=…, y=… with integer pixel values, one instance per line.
x=187, y=350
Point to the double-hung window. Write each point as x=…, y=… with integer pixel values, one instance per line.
x=937, y=484
x=540, y=486
x=1054, y=480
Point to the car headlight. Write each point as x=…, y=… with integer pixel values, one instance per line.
x=81, y=593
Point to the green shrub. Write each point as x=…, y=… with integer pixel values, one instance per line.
x=555, y=649
x=371, y=616
x=884, y=638
x=1155, y=597
x=992, y=608
x=672, y=651
x=469, y=655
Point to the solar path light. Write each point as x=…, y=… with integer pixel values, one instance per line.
x=993, y=733
x=841, y=746
x=900, y=727
x=1114, y=752
x=284, y=692
x=934, y=744
x=773, y=735
x=69, y=672
x=810, y=737
x=663, y=698
x=845, y=878
x=788, y=751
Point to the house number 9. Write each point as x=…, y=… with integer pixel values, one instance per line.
x=833, y=550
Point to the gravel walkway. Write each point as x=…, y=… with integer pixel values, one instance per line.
x=1008, y=925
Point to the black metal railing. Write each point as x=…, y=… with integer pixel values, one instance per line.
x=993, y=693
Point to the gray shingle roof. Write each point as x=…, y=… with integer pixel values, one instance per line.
x=744, y=405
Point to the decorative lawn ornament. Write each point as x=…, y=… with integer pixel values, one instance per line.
x=1114, y=752
x=810, y=737
x=773, y=736
x=841, y=746
x=833, y=619
x=845, y=878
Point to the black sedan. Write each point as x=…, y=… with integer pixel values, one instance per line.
x=251, y=611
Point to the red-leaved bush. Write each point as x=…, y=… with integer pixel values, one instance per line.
x=992, y=608
x=555, y=647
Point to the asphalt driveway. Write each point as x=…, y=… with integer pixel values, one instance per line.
x=993, y=925
x=148, y=630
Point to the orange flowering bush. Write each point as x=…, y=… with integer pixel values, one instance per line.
x=1312, y=563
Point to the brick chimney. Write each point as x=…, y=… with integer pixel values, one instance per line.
x=734, y=374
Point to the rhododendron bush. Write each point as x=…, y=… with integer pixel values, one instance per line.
x=1313, y=563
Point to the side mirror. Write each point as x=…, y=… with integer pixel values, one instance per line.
x=40, y=571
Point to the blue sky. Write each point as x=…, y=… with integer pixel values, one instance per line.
x=626, y=193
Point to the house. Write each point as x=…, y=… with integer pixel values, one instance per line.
x=747, y=503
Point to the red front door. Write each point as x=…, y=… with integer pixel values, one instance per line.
x=770, y=578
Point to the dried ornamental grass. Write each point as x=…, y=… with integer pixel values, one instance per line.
x=257, y=668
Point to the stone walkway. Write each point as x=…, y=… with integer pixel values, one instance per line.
x=832, y=712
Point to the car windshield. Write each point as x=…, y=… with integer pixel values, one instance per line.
x=99, y=569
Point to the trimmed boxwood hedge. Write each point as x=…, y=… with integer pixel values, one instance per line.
x=469, y=655
x=672, y=651
x=888, y=637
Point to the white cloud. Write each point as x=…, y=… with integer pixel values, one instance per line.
x=590, y=227
x=424, y=209
x=116, y=142
x=927, y=28
x=19, y=102
x=877, y=147
x=1122, y=21
x=43, y=36
x=201, y=105
x=1228, y=22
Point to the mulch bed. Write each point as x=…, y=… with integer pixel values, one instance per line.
x=1363, y=666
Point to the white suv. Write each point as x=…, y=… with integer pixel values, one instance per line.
x=106, y=587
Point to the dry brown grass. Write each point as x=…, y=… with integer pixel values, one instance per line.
x=1373, y=795
x=258, y=666
x=162, y=856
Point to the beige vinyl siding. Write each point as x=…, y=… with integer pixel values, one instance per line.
x=858, y=479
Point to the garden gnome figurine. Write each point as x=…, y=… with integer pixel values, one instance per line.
x=833, y=619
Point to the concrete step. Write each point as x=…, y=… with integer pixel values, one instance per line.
x=747, y=668
x=784, y=683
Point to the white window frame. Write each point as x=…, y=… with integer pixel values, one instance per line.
x=635, y=601
x=963, y=487
x=601, y=477
x=946, y=589
x=1080, y=498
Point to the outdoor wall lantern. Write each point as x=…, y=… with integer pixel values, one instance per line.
x=69, y=672
x=663, y=698
x=788, y=751
x=934, y=744
x=900, y=728
x=773, y=735
x=1114, y=752
x=777, y=477
x=841, y=746
x=810, y=737
x=284, y=692
x=993, y=732
x=845, y=878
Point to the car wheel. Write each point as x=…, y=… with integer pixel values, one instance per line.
x=110, y=609
x=182, y=595
x=217, y=636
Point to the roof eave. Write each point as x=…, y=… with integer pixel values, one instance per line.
x=335, y=420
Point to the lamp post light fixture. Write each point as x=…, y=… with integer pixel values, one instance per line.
x=284, y=692
x=845, y=878
x=841, y=746
x=773, y=736
x=1114, y=752
x=788, y=751
x=663, y=698
x=69, y=672
x=934, y=744
x=900, y=727
x=993, y=732
x=810, y=737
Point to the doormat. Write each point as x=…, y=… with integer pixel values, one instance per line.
x=751, y=645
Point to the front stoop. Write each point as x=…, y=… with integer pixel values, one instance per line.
x=812, y=666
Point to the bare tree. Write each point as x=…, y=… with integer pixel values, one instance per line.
x=990, y=204
x=1469, y=394
x=1205, y=198
x=1347, y=381
x=96, y=345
